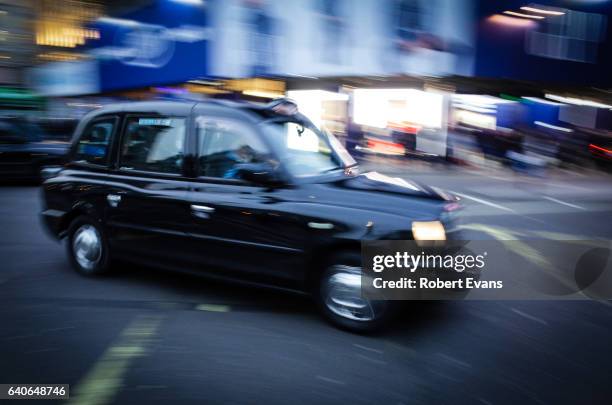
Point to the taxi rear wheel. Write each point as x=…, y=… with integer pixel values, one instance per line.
x=339, y=296
x=87, y=247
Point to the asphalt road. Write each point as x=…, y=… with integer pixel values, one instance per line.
x=148, y=336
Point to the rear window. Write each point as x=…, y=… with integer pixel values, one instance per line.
x=94, y=144
x=153, y=144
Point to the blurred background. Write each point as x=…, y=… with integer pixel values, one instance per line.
x=524, y=85
x=506, y=103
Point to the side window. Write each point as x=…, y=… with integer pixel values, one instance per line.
x=153, y=144
x=94, y=143
x=224, y=144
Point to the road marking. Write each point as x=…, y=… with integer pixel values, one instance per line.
x=531, y=317
x=102, y=383
x=497, y=233
x=500, y=233
x=574, y=238
x=485, y=202
x=522, y=248
x=370, y=349
x=371, y=360
x=454, y=360
x=495, y=177
x=57, y=329
x=330, y=380
x=563, y=203
x=212, y=308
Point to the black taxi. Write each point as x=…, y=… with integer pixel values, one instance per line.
x=234, y=190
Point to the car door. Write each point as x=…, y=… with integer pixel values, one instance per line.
x=88, y=163
x=146, y=212
x=237, y=225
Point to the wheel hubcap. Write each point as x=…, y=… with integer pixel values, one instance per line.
x=87, y=246
x=342, y=295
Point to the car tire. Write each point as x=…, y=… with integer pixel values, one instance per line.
x=339, y=296
x=87, y=247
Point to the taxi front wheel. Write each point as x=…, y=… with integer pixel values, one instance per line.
x=87, y=247
x=339, y=296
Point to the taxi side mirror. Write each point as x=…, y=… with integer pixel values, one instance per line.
x=259, y=173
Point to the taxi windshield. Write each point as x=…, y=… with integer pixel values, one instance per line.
x=306, y=151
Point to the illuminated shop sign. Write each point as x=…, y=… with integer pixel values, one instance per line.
x=163, y=43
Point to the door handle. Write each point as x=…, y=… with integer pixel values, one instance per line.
x=113, y=199
x=202, y=208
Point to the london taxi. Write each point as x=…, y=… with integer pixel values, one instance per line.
x=237, y=191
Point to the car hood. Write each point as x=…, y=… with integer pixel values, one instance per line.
x=374, y=181
x=377, y=192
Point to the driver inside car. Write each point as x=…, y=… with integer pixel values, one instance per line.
x=243, y=154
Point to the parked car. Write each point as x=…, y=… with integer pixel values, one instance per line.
x=234, y=190
x=25, y=150
x=58, y=129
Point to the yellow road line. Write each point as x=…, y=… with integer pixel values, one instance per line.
x=102, y=383
x=522, y=248
x=496, y=232
x=212, y=308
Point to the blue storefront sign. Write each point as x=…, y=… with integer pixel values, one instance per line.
x=163, y=43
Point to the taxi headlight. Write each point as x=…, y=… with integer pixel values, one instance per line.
x=430, y=230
